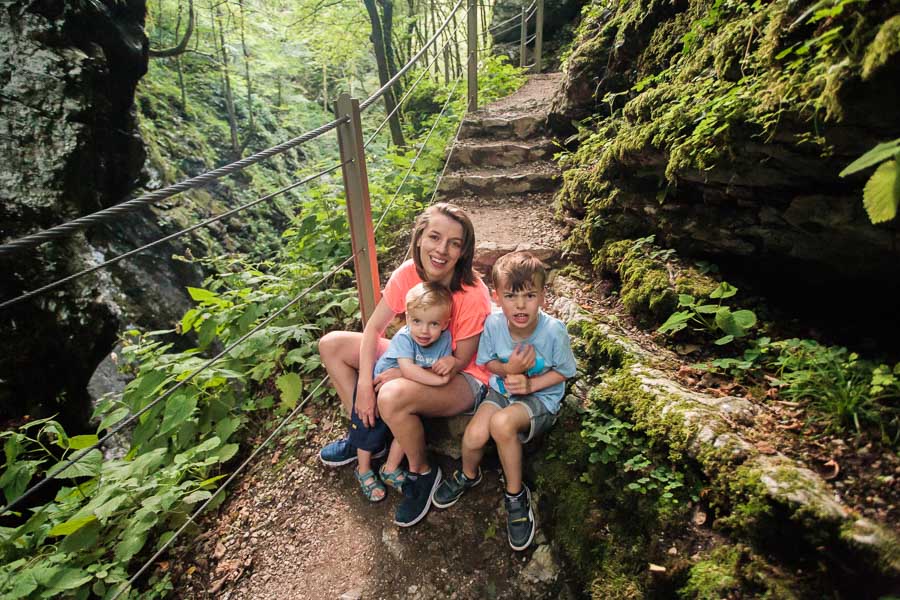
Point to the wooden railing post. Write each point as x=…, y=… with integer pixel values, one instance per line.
x=523, y=33
x=473, y=55
x=359, y=209
x=538, y=35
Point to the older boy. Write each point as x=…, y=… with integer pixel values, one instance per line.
x=530, y=357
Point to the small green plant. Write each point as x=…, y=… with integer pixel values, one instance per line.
x=711, y=317
x=753, y=361
x=881, y=195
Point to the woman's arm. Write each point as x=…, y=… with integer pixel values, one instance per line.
x=414, y=372
x=465, y=350
x=368, y=347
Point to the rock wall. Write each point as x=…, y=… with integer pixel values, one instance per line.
x=69, y=147
x=722, y=127
x=559, y=19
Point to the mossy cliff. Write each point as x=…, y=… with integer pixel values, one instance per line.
x=721, y=126
x=641, y=471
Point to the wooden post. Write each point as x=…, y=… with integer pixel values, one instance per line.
x=472, y=36
x=523, y=33
x=359, y=209
x=538, y=36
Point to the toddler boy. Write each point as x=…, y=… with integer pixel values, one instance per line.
x=530, y=356
x=422, y=351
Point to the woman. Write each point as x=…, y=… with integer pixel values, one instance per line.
x=443, y=248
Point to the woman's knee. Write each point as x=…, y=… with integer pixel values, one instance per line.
x=391, y=399
x=329, y=345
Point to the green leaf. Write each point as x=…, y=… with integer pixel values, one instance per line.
x=89, y=466
x=197, y=496
x=707, y=309
x=179, y=408
x=80, y=442
x=872, y=157
x=112, y=418
x=224, y=453
x=201, y=295
x=685, y=300
x=349, y=305
x=745, y=319
x=676, y=322
x=882, y=193
x=66, y=579
x=724, y=340
x=291, y=386
x=725, y=290
x=725, y=321
x=72, y=525
x=16, y=478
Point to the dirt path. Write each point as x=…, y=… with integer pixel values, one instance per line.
x=295, y=529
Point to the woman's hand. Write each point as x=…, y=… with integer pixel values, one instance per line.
x=444, y=365
x=521, y=359
x=517, y=385
x=365, y=403
x=386, y=376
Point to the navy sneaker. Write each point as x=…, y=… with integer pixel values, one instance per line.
x=519, y=519
x=452, y=489
x=417, y=492
x=342, y=452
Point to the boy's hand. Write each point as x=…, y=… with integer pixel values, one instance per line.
x=521, y=359
x=517, y=385
x=443, y=365
x=365, y=404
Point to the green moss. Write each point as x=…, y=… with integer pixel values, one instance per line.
x=885, y=45
x=735, y=570
x=596, y=348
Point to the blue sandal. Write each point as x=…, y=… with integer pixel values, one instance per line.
x=370, y=485
x=394, y=478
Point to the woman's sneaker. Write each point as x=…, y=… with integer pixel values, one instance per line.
x=417, y=492
x=452, y=489
x=519, y=519
x=342, y=452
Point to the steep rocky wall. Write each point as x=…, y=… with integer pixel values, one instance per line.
x=68, y=147
x=721, y=126
x=559, y=19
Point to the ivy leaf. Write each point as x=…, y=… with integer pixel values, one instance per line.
x=291, y=386
x=882, y=193
x=872, y=157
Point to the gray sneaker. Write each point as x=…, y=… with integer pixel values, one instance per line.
x=453, y=488
x=519, y=520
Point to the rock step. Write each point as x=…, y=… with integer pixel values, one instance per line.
x=502, y=153
x=517, y=127
x=530, y=178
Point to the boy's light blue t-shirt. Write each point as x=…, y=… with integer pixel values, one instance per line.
x=551, y=344
x=404, y=346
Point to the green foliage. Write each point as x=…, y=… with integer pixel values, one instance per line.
x=712, y=318
x=881, y=194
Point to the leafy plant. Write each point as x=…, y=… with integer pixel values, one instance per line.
x=881, y=194
x=713, y=318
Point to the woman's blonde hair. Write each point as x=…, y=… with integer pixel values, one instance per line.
x=462, y=272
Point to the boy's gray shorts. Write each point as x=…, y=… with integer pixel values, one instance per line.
x=478, y=392
x=541, y=418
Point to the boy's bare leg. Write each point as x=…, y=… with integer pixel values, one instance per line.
x=394, y=457
x=475, y=438
x=505, y=427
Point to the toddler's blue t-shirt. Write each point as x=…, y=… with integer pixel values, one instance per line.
x=551, y=345
x=404, y=346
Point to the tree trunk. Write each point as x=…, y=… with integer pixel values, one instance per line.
x=378, y=42
x=247, y=77
x=226, y=83
x=325, y=88
x=181, y=46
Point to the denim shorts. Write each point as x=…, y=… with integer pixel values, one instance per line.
x=541, y=418
x=479, y=391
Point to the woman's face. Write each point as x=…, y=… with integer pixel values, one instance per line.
x=439, y=248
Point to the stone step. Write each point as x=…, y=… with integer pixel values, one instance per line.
x=531, y=178
x=516, y=127
x=503, y=153
x=487, y=253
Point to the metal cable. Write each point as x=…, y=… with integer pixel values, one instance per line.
x=380, y=91
x=130, y=253
x=409, y=91
x=514, y=26
x=530, y=39
x=209, y=500
x=82, y=453
x=416, y=158
x=35, y=239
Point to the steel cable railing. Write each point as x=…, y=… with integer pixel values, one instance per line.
x=53, y=473
x=59, y=231
x=416, y=158
x=232, y=477
x=528, y=11
x=380, y=91
x=177, y=234
x=515, y=25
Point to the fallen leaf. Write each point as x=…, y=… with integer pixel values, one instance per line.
x=163, y=565
x=220, y=551
x=657, y=568
x=772, y=393
x=276, y=456
x=765, y=447
x=191, y=570
x=793, y=426
x=834, y=469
